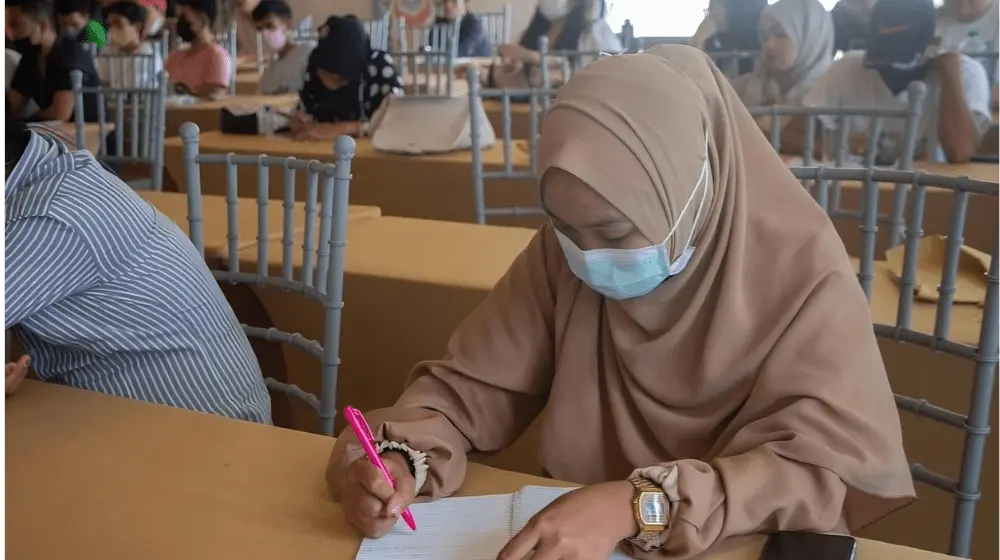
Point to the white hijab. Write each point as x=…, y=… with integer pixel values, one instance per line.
x=810, y=28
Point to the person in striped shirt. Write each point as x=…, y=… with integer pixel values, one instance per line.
x=107, y=294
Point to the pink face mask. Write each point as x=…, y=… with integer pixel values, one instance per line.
x=275, y=39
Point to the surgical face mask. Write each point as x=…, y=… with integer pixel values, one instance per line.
x=554, y=9
x=622, y=274
x=275, y=39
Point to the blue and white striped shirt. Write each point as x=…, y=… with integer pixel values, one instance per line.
x=107, y=294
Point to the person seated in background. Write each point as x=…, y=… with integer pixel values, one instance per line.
x=72, y=16
x=204, y=69
x=956, y=112
x=107, y=294
x=126, y=21
x=288, y=72
x=797, y=38
x=731, y=26
x=570, y=25
x=682, y=337
x=958, y=19
x=850, y=24
x=43, y=75
x=155, y=15
x=963, y=23
x=246, y=31
x=472, y=39
x=346, y=83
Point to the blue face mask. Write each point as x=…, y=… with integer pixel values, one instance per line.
x=622, y=274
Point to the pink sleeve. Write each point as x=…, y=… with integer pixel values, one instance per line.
x=219, y=67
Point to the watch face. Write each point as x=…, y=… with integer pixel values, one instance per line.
x=653, y=508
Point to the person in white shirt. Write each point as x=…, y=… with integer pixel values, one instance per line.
x=958, y=18
x=128, y=60
x=286, y=74
x=956, y=112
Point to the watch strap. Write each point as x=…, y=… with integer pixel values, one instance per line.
x=647, y=540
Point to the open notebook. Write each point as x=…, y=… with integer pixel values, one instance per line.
x=472, y=528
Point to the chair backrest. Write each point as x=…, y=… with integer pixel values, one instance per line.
x=983, y=355
x=538, y=99
x=734, y=63
x=903, y=149
x=496, y=25
x=378, y=32
x=161, y=44
x=326, y=191
x=228, y=40
x=145, y=106
x=570, y=61
x=427, y=58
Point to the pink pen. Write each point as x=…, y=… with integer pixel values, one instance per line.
x=364, y=434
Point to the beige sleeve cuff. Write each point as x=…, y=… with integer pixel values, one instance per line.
x=667, y=479
x=418, y=461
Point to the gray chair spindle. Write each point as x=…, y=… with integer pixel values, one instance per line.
x=378, y=32
x=904, y=150
x=322, y=276
x=428, y=54
x=537, y=99
x=983, y=355
x=146, y=124
x=496, y=25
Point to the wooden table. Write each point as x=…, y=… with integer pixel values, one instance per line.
x=247, y=83
x=91, y=134
x=206, y=113
x=214, y=227
x=436, y=187
x=520, y=118
x=105, y=478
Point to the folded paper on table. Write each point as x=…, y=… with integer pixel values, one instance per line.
x=970, y=280
x=418, y=125
x=470, y=528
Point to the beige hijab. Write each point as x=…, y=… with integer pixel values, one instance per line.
x=755, y=372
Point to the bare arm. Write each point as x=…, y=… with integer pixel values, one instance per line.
x=956, y=128
x=61, y=108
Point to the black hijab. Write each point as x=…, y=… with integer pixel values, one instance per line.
x=343, y=49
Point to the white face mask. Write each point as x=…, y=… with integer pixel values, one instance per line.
x=554, y=9
x=622, y=274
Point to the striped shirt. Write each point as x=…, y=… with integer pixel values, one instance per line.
x=108, y=294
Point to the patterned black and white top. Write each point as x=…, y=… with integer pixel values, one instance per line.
x=356, y=101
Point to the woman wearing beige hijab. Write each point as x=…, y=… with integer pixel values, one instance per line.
x=691, y=324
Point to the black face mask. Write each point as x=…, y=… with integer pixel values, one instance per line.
x=184, y=31
x=898, y=80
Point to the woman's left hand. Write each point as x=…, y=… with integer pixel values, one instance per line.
x=584, y=524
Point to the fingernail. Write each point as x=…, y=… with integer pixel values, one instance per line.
x=395, y=511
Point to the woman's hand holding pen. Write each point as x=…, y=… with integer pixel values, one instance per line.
x=369, y=503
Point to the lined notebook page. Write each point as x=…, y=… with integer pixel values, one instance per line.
x=472, y=528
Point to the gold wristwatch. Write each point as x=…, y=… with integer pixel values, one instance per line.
x=651, y=510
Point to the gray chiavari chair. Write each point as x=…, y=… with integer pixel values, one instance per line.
x=161, y=44
x=378, y=32
x=731, y=62
x=326, y=189
x=538, y=99
x=126, y=70
x=974, y=423
x=903, y=151
x=427, y=58
x=139, y=124
x=227, y=39
x=497, y=25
